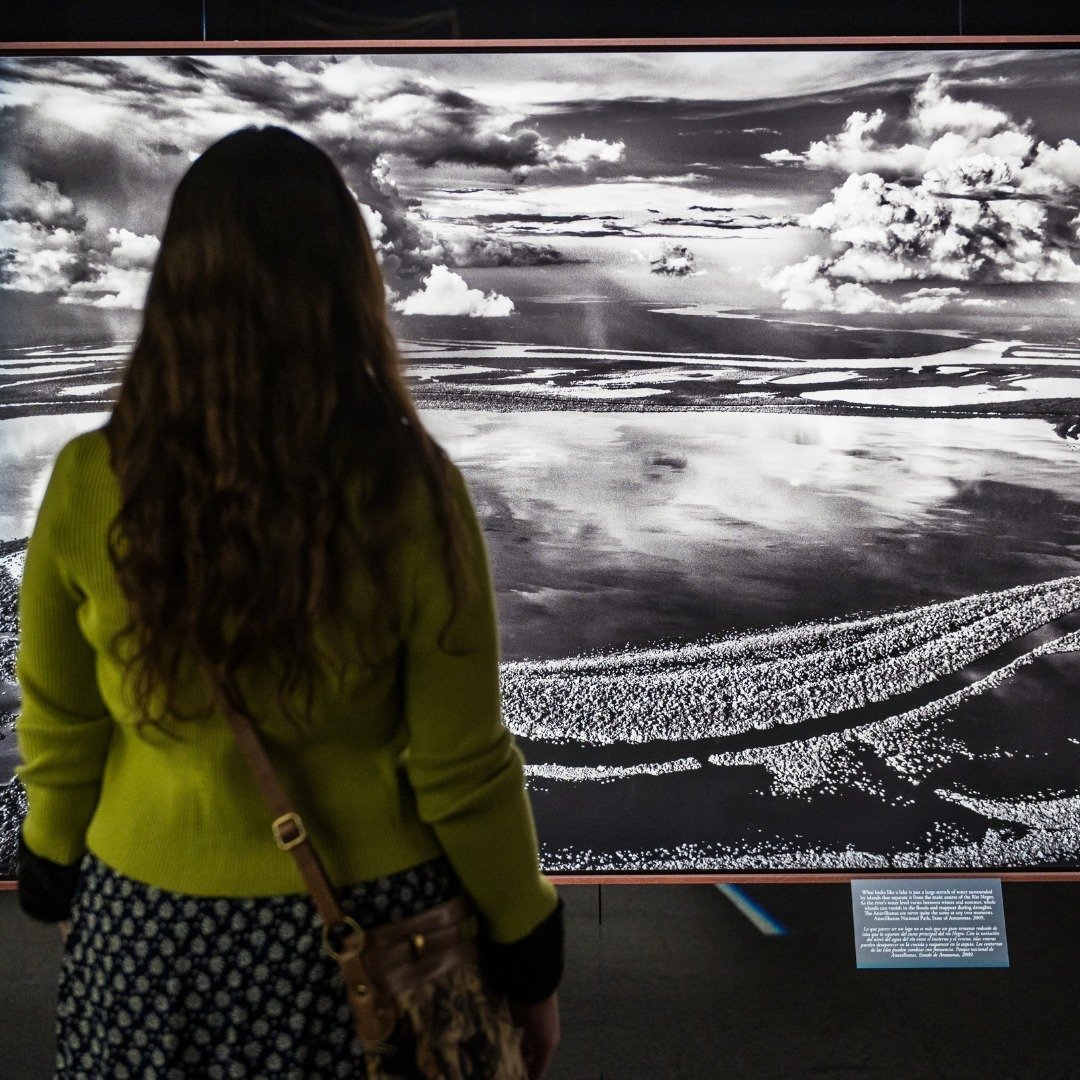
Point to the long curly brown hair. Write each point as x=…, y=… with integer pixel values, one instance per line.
x=264, y=439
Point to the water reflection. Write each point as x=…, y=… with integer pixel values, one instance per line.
x=614, y=528
x=28, y=448
x=607, y=529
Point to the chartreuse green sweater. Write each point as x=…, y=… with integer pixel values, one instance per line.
x=408, y=761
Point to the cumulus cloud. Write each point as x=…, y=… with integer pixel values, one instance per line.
x=38, y=201
x=943, y=292
x=113, y=273
x=584, y=152
x=114, y=287
x=42, y=246
x=130, y=251
x=373, y=222
x=981, y=302
x=38, y=259
x=674, y=261
x=970, y=197
x=934, y=113
x=406, y=246
x=1061, y=161
x=937, y=131
x=447, y=293
x=955, y=147
x=784, y=157
x=889, y=232
x=806, y=286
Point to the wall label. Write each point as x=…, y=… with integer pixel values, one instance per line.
x=929, y=923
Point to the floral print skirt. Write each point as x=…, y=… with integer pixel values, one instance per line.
x=168, y=986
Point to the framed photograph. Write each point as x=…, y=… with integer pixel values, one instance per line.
x=762, y=362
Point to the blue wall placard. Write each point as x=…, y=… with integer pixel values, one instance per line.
x=929, y=923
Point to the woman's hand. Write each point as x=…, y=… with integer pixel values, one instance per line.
x=65, y=929
x=540, y=1035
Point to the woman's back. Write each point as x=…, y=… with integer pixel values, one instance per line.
x=397, y=747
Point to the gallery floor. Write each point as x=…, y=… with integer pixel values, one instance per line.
x=673, y=982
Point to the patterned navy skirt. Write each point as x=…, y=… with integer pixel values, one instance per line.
x=167, y=986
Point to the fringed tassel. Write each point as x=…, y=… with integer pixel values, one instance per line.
x=452, y=1028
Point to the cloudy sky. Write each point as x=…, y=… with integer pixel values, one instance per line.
x=901, y=183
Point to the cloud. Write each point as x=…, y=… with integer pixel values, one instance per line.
x=119, y=276
x=889, y=232
x=526, y=217
x=809, y=286
x=129, y=251
x=854, y=149
x=943, y=291
x=939, y=130
x=584, y=152
x=399, y=111
x=408, y=247
x=971, y=198
x=1061, y=161
x=727, y=221
x=674, y=261
x=578, y=155
x=498, y=251
x=38, y=259
x=25, y=200
x=446, y=293
x=42, y=246
x=783, y=157
x=115, y=287
x=806, y=286
x=373, y=222
x=935, y=113
x=933, y=298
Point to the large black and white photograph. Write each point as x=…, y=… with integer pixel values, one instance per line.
x=763, y=369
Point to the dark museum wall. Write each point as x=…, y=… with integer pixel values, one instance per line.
x=99, y=20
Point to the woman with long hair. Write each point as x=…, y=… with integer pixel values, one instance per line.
x=265, y=520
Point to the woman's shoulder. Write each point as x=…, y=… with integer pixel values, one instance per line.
x=419, y=502
x=86, y=450
x=82, y=473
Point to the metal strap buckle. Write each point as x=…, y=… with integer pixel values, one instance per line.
x=356, y=933
x=293, y=819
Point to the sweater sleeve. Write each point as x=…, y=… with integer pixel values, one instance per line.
x=462, y=762
x=63, y=730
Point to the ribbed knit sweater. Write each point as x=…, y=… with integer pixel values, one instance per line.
x=409, y=759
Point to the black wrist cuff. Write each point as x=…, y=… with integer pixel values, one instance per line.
x=46, y=888
x=529, y=970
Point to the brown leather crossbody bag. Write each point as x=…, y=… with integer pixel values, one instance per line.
x=382, y=964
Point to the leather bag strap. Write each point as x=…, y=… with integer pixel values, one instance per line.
x=373, y=1010
x=288, y=829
